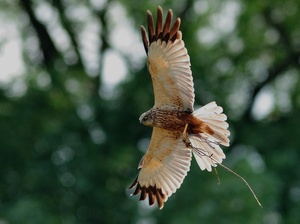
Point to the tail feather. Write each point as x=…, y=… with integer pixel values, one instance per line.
x=212, y=115
x=206, y=147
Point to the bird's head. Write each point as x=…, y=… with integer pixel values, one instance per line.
x=147, y=118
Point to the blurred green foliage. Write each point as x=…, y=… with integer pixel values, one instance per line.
x=70, y=144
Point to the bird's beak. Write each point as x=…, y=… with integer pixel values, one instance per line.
x=141, y=118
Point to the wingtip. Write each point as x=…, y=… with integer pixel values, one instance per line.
x=133, y=184
x=164, y=32
x=153, y=193
x=149, y=13
x=144, y=38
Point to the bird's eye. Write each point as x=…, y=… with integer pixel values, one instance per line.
x=145, y=118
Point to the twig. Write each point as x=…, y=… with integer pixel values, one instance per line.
x=189, y=145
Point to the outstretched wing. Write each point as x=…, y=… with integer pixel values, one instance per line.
x=168, y=63
x=163, y=167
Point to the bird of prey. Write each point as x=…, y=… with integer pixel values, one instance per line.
x=178, y=130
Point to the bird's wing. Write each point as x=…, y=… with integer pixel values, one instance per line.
x=168, y=63
x=163, y=167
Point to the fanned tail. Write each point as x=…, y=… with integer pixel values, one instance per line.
x=205, y=146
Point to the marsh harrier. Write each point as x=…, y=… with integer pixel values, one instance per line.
x=178, y=130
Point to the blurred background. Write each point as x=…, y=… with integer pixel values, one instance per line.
x=73, y=83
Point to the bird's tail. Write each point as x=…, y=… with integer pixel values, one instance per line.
x=205, y=145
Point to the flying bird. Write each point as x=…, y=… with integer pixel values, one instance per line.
x=178, y=130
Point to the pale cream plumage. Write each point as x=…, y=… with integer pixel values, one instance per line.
x=207, y=151
x=167, y=161
x=169, y=67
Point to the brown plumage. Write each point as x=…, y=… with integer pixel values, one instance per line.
x=174, y=120
x=167, y=161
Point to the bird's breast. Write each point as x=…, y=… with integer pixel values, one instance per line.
x=170, y=119
x=174, y=120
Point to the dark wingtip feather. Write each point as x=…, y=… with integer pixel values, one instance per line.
x=161, y=32
x=133, y=184
x=145, y=39
x=175, y=29
x=154, y=194
x=159, y=20
x=168, y=23
x=150, y=26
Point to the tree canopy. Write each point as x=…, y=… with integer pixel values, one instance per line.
x=74, y=81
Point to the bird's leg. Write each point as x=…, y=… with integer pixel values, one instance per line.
x=184, y=130
x=185, y=136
